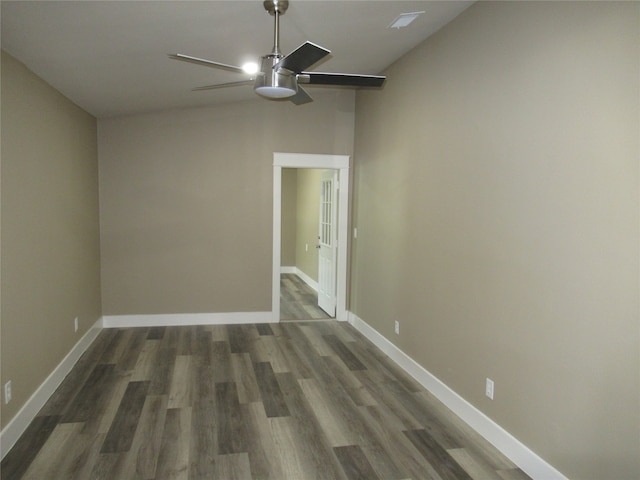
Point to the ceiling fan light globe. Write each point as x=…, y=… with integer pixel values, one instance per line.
x=275, y=92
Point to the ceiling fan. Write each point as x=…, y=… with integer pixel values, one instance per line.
x=280, y=76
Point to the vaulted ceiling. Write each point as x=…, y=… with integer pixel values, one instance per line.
x=110, y=57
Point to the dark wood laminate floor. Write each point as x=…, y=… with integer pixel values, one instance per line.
x=310, y=400
x=298, y=301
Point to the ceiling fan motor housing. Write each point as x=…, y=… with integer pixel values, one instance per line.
x=275, y=83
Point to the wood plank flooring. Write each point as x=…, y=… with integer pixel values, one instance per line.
x=298, y=301
x=295, y=400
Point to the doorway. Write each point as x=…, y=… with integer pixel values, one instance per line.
x=340, y=165
x=308, y=238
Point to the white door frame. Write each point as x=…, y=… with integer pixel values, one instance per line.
x=318, y=161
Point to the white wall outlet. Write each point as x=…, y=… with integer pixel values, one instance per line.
x=306, y=247
x=488, y=389
x=7, y=392
x=75, y=325
x=396, y=327
x=355, y=232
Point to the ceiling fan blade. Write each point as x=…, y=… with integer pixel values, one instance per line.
x=206, y=63
x=302, y=57
x=345, y=79
x=223, y=85
x=301, y=97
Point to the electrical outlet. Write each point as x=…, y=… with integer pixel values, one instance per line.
x=397, y=327
x=355, y=232
x=488, y=389
x=75, y=325
x=306, y=247
x=7, y=392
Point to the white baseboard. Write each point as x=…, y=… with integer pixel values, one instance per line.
x=165, y=320
x=18, y=424
x=307, y=279
x=303, y=276
x=511, y=447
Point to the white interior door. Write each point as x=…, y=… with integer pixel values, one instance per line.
x=328, y=242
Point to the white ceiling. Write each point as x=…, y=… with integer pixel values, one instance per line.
x=110, y=57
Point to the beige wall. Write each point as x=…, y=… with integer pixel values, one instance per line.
x=50, y=239
x=186, y=200
x=497, y=215
x=289, y=202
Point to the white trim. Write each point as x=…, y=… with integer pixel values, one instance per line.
x=300, y=274
x=343, y=243
x=310, y=160
x=185, y=319
x=306, y=160
x=18, y=424
x=277, y=234
x=511, y=447
x=307, y=279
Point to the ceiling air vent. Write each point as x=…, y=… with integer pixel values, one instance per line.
x=404, y=19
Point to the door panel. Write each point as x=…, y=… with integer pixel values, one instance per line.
x=327, y=242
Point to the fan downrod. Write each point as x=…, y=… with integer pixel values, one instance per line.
x=276, y=6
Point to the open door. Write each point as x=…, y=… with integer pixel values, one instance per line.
x=327, y=242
